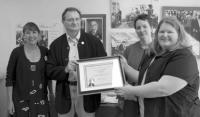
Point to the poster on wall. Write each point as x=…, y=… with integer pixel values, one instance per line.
x=190, y=18
x=121, y=39
x=95, y=24
x=124, y=12
x=48, y=31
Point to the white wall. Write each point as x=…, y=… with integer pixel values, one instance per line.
x=13, y=11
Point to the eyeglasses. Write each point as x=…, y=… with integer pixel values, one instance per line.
x=73, y=19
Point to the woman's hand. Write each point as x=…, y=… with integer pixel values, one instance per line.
x=126, y=92
x=11, y=108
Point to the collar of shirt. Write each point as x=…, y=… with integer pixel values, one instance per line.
x=73, y=40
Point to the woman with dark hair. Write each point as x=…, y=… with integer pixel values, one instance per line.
x=168, y=78
x=134, y=53
x=26, y=80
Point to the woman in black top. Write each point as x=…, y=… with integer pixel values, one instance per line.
x=168, y=77
x=26, y=80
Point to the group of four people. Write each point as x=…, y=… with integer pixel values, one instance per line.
x=162, y=73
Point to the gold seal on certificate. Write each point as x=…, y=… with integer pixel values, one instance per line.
x=99, y=74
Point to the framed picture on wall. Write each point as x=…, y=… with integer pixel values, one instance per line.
x=124, y=12
x=95, y=24
x=120, y=40
x=190, y=18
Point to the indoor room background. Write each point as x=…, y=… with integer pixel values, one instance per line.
x=14, y=13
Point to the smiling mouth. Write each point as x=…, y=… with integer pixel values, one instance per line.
x=143, y=34
x=32, y=39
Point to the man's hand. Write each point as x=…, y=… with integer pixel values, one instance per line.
x=71, y=66
x=72, y=76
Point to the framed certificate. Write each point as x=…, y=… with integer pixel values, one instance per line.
x=99, y=74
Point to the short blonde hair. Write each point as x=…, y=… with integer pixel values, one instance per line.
x=183, y=41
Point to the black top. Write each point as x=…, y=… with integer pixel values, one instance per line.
x=26, y=76
x=180, y=63
x=88, y=47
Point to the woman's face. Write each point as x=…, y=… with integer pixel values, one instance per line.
x=167, y=36
x=143, y=30
x=31, y=37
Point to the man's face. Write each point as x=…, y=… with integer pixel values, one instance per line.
x=94, y=26
x=72, y=21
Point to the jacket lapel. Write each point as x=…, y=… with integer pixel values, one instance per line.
x=82, y=47
x=65, y=49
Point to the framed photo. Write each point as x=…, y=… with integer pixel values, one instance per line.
x=190, y=18
x=95, y=24
x=124, y=12
x=99, y=74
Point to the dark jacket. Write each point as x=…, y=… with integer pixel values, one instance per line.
x=88, y=47
x=20, y=77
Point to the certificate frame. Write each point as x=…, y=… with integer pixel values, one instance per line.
x=96, y=75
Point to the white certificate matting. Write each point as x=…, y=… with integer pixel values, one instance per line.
x=99, y=74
